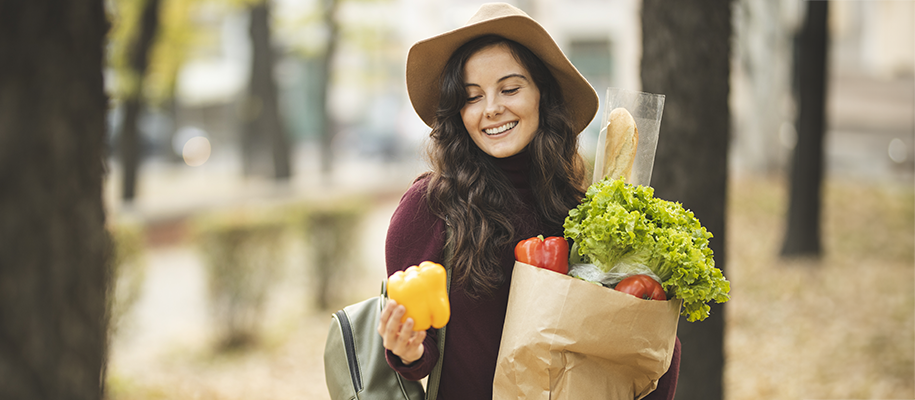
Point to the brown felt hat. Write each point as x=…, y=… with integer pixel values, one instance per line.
x=427, y=58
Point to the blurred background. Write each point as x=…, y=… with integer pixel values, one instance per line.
x=259, y=148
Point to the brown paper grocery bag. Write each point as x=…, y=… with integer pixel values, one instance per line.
x=565, y=338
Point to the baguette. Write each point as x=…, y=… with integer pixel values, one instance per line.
x=621, y=144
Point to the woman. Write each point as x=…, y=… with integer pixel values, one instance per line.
x=505, y=106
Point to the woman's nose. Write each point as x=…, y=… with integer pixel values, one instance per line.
x=493, y=108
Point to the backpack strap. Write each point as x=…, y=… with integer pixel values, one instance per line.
x=436, y=375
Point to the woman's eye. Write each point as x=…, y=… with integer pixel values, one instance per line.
x=472, y=99
x=510, y=91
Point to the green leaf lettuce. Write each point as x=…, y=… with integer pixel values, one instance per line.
x=618, y=225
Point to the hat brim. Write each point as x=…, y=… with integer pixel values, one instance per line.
x=427, y=58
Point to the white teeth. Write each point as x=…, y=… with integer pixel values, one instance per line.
x=503, y=128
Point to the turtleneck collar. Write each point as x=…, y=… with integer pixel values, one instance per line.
x=517, y=168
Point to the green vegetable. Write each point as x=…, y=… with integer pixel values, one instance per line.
x=619, y=227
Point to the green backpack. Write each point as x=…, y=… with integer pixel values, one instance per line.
x=354, y=364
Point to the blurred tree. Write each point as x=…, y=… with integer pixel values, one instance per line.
x=803, y=229
x=264, y=130
x=320, y=33
x=137, y=62
x=155, y=88
x=263, y=135
x=686, y=57
x=329, y=14
x=178, y=34
x=54, y=263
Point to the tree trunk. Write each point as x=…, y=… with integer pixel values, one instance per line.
x=686, y=57
x=328, y=128
x=803, y=229
x=129, y=138
x=265, y=134
x=55, y=248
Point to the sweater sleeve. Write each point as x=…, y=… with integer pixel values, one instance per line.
x=415, y=235
x=667, y=385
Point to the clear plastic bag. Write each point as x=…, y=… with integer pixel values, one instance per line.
x=591, y=273
x=646, y=109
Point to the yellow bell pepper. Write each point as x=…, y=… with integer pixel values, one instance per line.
x=423, y=291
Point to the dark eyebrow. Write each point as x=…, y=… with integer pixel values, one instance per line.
x=512, y=76
x=501, y=79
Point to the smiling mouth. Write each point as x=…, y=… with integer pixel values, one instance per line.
x=500, y=129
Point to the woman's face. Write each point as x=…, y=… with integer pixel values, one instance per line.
x=502, y=112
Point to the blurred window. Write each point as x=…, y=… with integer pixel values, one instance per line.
x=592, y=56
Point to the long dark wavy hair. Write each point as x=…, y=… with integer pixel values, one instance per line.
x=473, y=196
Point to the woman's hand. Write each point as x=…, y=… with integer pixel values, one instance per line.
x=400, y=337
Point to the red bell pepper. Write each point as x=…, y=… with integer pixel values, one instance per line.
x=551, y=253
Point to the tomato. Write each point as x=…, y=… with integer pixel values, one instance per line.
x=551, y=253
x=643, y=287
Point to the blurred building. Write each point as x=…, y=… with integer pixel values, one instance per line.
x=602, y=38
x=870, y=105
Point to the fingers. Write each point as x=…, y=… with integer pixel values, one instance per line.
x=400, y=337
x=389, y=323
x=409, y=343
x=413, y=349
x=389, y=307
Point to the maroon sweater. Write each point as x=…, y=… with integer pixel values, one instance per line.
x=475, y=328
